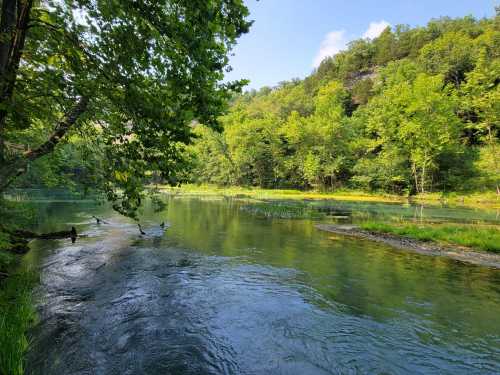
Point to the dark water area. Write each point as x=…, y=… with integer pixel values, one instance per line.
x=222, y=291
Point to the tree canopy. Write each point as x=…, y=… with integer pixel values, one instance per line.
x=121, y=80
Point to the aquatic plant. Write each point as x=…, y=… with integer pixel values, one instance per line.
x=283, y=210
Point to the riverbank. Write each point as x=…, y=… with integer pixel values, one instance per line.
x=487, y=200
x=17, y=316
x=482, y=237
x=457, y=252
x=17, y=311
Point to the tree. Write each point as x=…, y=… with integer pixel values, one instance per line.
x=130, y=74
x=451, y=55
x=420, y=118
x=252, y=146
x=386, y=47
x=380, y=164
x=317, y=144
x=212, y=161
x=482, y=97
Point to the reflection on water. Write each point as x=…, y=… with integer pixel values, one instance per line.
x=349, y=211
x=225, y=292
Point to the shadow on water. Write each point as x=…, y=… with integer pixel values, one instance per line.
x=225, y=292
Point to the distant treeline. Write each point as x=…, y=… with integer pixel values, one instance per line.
x=414, y=110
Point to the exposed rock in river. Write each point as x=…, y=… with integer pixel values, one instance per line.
x=428, y=248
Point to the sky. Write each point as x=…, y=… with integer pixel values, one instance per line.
x=289, y=38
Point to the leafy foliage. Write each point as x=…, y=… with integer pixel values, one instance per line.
x=109, y=88
x=414, y=110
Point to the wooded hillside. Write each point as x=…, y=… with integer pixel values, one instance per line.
x=414, y=110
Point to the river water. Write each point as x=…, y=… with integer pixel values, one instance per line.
x=222, y=291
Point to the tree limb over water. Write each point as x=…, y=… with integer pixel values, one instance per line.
x=128, y=93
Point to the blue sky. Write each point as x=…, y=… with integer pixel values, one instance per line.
x=289, y=37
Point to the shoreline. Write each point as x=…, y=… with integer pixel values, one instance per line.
x=426, y=248
x=454, y=200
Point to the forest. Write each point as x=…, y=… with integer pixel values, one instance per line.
x=415, y=110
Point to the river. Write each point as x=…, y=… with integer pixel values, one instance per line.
x=223, y=291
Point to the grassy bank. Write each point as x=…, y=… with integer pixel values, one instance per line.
x=16, y=309
x=479, y=200
x=17, y=315
x=479, y=237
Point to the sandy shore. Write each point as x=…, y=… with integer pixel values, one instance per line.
x=405, y=243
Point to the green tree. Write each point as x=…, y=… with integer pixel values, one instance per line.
x=419, y=117
x=212, y=162
x=318, y=143
x=452, y=55
x=134, y=72
x=482, y=97
x=252, y=146
x=386, y=47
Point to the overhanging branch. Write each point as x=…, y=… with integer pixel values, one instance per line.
x=17, y=166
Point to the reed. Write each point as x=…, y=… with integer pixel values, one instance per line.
x=283, y=210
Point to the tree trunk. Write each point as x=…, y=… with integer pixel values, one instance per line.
x=415, y=176
x=46, y=236
x=7, y=26
x=422, y=183
x=13, y=28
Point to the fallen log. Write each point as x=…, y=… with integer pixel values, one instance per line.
x=19, y=239
x=47, y=236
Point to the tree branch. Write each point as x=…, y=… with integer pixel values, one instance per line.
x=17, y=166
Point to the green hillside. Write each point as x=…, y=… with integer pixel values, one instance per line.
x=414, y=110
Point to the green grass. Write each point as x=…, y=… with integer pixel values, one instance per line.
x=480, y=199
x=486, y=199
x=7, y=259
x=479, y=237
x=282, y=210
x=17, y=315
x=16, y=309
x=258, y=193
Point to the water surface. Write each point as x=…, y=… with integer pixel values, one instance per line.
x=226, y=292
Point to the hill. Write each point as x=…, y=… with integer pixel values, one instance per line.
x=412, y=111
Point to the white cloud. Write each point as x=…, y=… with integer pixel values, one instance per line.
x=336, y=41
x=375, y=29
x=333, y=43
